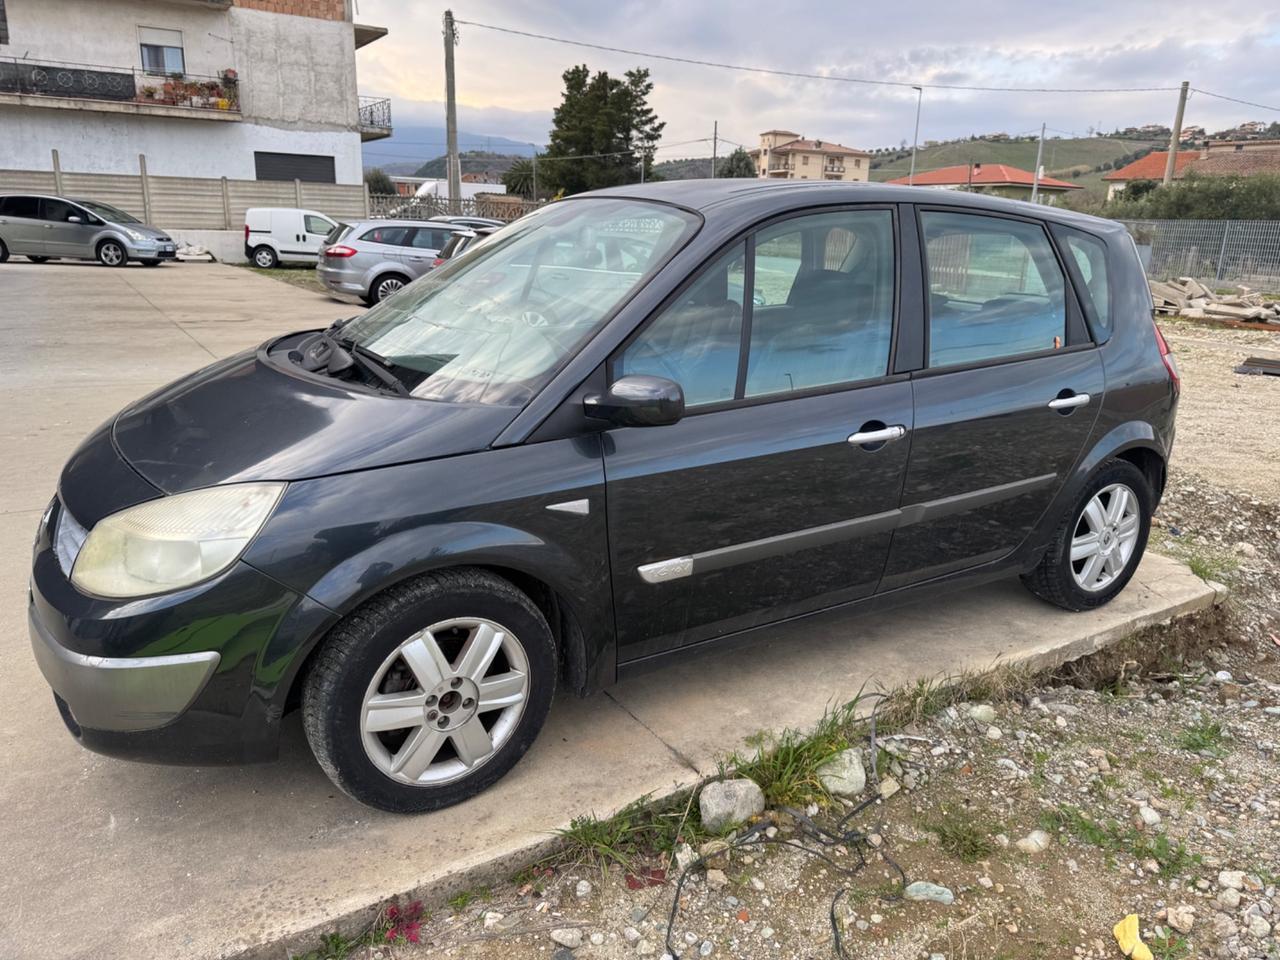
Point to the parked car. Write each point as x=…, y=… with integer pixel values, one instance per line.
x=582, y=450
x=461, y=240
x=372, y=259
x=43, y=228
x=276, y=235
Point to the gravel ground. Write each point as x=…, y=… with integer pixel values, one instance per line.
x=1155, y=786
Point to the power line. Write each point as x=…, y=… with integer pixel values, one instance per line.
x=1247, y=103
x=809, y=76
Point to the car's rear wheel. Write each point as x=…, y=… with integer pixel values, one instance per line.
x=38, y=259
x=1098, y=544
x=431, y=691
x=265, y=257
x=111, y=253
x=4, y=252
x=387, y=285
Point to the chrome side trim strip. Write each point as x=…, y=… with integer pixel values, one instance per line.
x=577, y=507
x=662, y=571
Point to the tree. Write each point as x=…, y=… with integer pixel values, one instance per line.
x=737, y=164
x=519, y=178
x=602, y=131
x=1196, y=197
x=378, y=182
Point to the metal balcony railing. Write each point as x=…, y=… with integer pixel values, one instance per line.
x=375, y=112
x=46, y=78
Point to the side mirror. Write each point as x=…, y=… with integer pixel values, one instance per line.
x=74, y=219
x=638, y=400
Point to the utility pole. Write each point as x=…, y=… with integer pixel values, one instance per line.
x=715, y=142
x=1176, y=134
x=451, y=115
x=535, y=172
x=915, y=138
x=1035, y=174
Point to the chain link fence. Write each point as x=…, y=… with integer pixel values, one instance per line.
x=497, y=206
x=1215, y=252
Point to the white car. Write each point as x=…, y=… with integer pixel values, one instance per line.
x=276, y=235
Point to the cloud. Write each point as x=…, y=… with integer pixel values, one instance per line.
x=508, y=85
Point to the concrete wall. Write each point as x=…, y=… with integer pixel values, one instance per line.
x=297, y=87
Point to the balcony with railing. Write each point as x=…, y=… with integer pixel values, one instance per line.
x=781, y=167
x=375, y=118
x=80, y=86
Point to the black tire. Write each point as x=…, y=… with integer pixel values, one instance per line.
x=151, y=263
x=37, y=259
x=386, y=286
x=111, y=253
x=4, y=252
x=1054, y=579
x=265, y=258
x=356, y=649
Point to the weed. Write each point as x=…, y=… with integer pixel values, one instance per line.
x=962, y=837
x=1169, y=947
x=638, y=830
x=1203, y=736
x=468, y=897
x=338, y=946
x=1174, y=859
x=787, y=770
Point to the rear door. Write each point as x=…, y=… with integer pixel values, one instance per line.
x=20, y=225
x=775, y=494
x=1003, y=411
x=62, y=237
x=422, y=246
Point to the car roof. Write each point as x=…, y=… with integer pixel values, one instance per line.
x=726, y=197
x=390, y=222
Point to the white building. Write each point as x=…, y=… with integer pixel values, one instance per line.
x=244, y=89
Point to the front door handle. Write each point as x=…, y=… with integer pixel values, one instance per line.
x=883, y=435
x=1068, y=403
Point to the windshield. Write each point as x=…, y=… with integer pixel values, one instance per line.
x=108, y=212
x=493, y=326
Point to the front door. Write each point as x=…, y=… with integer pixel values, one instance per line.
x=1009, y=399
x=62, y=237
x=315, y=229
x=776, y=493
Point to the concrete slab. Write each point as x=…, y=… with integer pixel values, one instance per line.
x=105, y=859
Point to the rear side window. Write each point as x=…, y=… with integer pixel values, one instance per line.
x=995, y=289
x=426, y=238
x=1090, y=256
x=391, y=236
x=20, y=207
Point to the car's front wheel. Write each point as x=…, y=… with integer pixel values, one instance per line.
x=4, y=252
x=431, y=691
x=1098, y=544
x=111, y=253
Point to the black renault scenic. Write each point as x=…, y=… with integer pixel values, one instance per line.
x=635, y=422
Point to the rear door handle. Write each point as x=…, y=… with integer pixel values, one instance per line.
x=884, y=435
x=1066, y=403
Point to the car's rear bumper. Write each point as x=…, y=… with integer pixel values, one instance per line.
x=340, y=281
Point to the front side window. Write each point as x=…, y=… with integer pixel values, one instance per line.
x=59, y=210
x=1090, y=255
x=108, y=212
x=317, y=224
x=493, y=326
x=161, y=51
x=995, y=289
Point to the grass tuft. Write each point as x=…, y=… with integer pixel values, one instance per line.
x=1203, y=736
x=962, y=837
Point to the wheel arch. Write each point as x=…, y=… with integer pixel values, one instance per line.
x=388, y=271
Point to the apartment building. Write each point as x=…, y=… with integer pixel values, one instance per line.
x=244, y=89
x=786, y=155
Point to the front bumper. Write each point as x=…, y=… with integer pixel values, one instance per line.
x=153, y=251
x=120, y=693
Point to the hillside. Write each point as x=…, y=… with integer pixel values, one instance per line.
x=417, y=143
x=1060, y=156
x=687, y=169
x=473, y=161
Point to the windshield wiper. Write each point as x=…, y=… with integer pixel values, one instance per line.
x=374, y=363
x=328, y=353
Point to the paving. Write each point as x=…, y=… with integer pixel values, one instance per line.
x=107, y=859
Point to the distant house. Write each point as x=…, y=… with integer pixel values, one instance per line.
x=998, y=179
x=1214, y=158
x=469, y=189
x=784, y=155
x=407, y=186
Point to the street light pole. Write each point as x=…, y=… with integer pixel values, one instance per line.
x=915, y=138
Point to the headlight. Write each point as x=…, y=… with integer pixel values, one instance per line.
x=135, y=235
x=174, y=541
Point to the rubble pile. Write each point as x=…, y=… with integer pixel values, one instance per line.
x=1190, y=298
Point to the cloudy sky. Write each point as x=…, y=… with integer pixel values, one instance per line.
x=508, y=85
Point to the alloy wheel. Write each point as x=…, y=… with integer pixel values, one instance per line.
x=112, y=254
x=1105, y=536
x=445, y=701
x=387, y=287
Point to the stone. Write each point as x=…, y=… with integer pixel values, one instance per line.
x=994, y=733
x=1229, y=898
x=570, y=937
x=716, y=879
x=631, y=935
x=888, y=787
x=684, y=856
x=562, y=953
x=1149, y=816
x=1231, y=879
x=1034, y=842
x=705, y=948
x=726, y=802
x=1181, y=918
x=1060, y=722
x=646, y=949
x=982, y=713
x=932, y=892
x=582, y=890
x=985, y=883
x=492, y=918
x=843, y=775
x=597, y=938
x=715, y=854
x=1259, y=927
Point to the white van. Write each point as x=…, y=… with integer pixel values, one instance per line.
x=275, y=235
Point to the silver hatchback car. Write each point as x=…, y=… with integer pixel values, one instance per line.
x=372, y=259
x=44, y=228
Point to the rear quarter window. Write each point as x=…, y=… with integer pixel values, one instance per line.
x=1090, y=257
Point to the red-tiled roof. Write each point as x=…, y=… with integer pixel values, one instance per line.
x=1151, y=167
x=819, y=146
x=1246, y=163
x=984, y=175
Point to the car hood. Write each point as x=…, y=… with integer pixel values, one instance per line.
x=248, y=418
x=154, y=233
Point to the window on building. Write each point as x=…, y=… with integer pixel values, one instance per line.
x=857, y=163
x=995, y=289
x=161, y=50
x=805, y=160
x=311, y=168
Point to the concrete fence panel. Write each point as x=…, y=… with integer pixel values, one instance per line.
x=29, y=181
